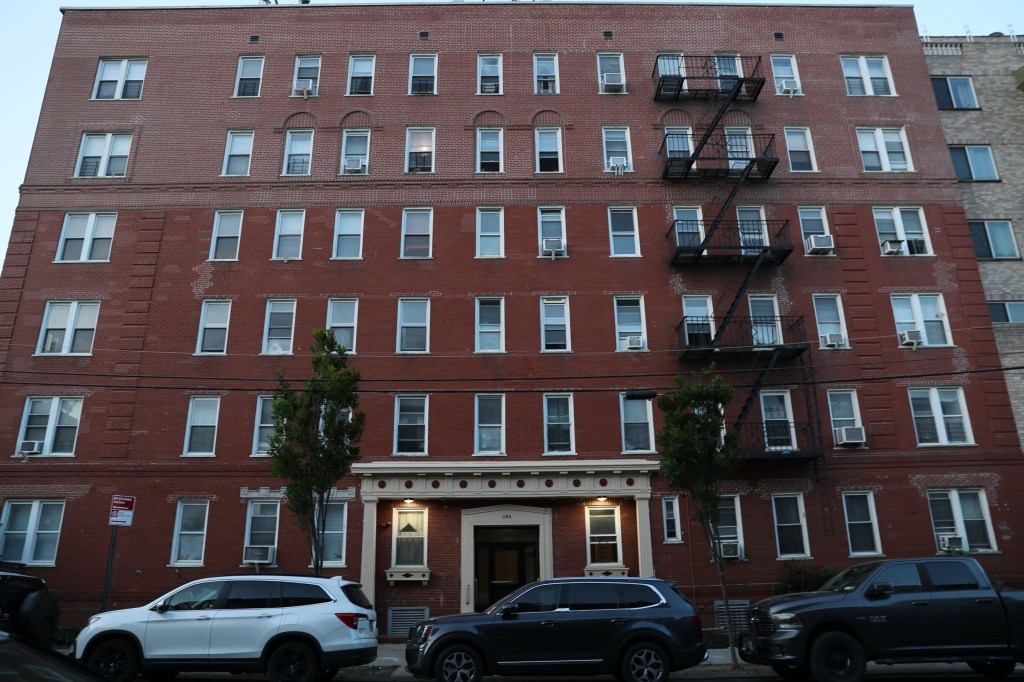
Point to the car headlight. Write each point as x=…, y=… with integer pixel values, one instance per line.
x=422, y=634
x=787, y=621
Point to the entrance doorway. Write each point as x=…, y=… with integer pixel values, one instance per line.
x=505, y=558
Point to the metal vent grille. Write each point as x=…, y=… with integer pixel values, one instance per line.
x=779, y=36
x=254, y=39
x=401, y=618
x=424, y=35
x=737, y=614
x=608, y=35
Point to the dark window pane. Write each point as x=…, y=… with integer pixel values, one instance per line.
x=248, y=87
x=251, y=594
x=961, y=166
x=982, y=249
x=591, y=596
x=131, y=90
x=302, y=594
x=942, y=96
x=998, y=312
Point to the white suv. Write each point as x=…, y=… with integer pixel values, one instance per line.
x=293, y=628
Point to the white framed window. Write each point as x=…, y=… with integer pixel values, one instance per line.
x=688, y=222
x=604, y=536
x=31, y=531
x=698, y=321
x=884, y=150
x=419, y=150
x=954, y=92
x=410, y=537
x=335, y=532
x=554, y=322
x=765, y=325
x=678, y=142
x=730, y=528
x=417, y=232
x=490, y=324
x=551, y=232
x=348, y=233
x=637, y=425
x=828, y=314
x=623, y=233
x=488, y=74
x=921, y=320
x=86, y=237
x=729, y=70
x=548, y=144
x=1006, y=311
x=423, y=74
x=355, y=151
x=119, y=79
x=611, y=77
x=201, y=431
x=279, y=326
x=306, y=82
x=189, y=543
x=490, y=232
x=69, y=328
x=940, y=416
x=213, y=328
x=739, y=146
x=801, y=150
x=545, y=73
x=672, y=531
x=298, y=152
x=360, y=74
x=618, y=154
x=413, y=325
x=261, y=521
x=844, y=417
x=961, y=515
x=813, y=221
x=867, y=75
x=103, y=155
x=673, y=65
x=49, y=425
x=489, y=147
x=288, y=234
x=779, y=427
x=410, y=424
x=974, y=163
x=264, y=425
x=993, y=239
x=790, y=525
x=861, y=523
x=249, y=76
x=753, y=229
x=630, y=324
x=785, y=75
x=342, y=314
x=559, y=435
x=902, y=231
x=237, y=152
x=227, y=233
x=490, y=424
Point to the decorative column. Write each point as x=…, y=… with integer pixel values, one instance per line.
x=643, y=535
x=368, y=560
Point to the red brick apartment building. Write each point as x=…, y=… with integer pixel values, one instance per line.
x=513, y=215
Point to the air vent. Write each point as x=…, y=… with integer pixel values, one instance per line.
x=401, y=618
x=779, y=36
x=608, y=35
x=254, y=39
x=424, y=35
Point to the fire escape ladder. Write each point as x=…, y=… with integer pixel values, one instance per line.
x=816, y=435
x=709, y=129
x=755, y=390
x=744, y=285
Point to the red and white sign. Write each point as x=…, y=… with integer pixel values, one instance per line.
x=122, y=508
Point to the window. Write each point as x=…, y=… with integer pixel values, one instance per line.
x=630, y=327
x=50, y=425
x=227, y=231
x=213, y=327
x=413, y=325
x=670, y=516
x=924, y=314
x=298, y=150
x=119, y=79
x=844, y=414
x=86, y=237
x=490, y=425
x=861, y=524
x=277, y=331
x=201, y=433
x=940, y=416
x=554, y=318
x=884, y=149
x=488, y=150
x=739, y=143
x=672, y=65
x=1006, y=311
x=490, y=325
x=545, y=74
x=618, y=157
x=688, y=222
x=902, y=231
x=410, y=548
x=867, y=76
x=637, y=424
x=189, y=533
x=419, y=148
x=962, y=514
x=828, y=312
x=335, y=525
x=549, y=150
x=69, y=328
x=766, y=329
x=974, y=163
x=423, y=74
x=360, y=74
x=801, y=150
x=730, y=528
x=261, y=524
x=307, y=76
x=288, y=234
x=779, y=428
x=348, y=233
x=611, y=77
x=490, y=233
x=812, y=221
x=790, y=525
x=729, y=70
x=753, y=229
x=411, y=425
x=488, y=74
x=993, y=239
x=698, y=321
x=341, y=319
x=264, y=425
x=558, y=420
x=625, y=238
x=954, y=92
x=604, y=537
x=787, y=80
x=551, y=228
x=249, y=77
x=237, y=153
x=355, y=152
x=678, y=142
x=417, y=228
x=31, y=529
x=103, y=155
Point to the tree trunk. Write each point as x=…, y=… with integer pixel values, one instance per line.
x=711, y=533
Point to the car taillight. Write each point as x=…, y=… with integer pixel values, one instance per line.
x=697, y=629
x=351, y=619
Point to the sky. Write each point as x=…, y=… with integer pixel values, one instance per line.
x=28, y=33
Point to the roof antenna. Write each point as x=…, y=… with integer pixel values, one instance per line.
x=967, y=32
x=924, y=34
x=1013, y=34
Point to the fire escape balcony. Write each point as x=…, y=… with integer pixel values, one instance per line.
x=729, y=241
x=779, y=439
x=722, y=155
x=686, y=77
x=723, y=336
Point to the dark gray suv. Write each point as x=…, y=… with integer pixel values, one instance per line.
x=638, y=629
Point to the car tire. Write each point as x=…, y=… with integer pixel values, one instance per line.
x=992, y=669
x=459, y=663
x=293, y=661
x=37, y=616
x=115, y=659
x=837, y=657
x=792, y=672
x=644, y=662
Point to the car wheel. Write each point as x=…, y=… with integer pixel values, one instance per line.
x=159, y=675
x=328, y=674
x=459, y=663
x=791, y=672
x=115, y=659
x=992, y=669
x=837, y=657
x=645, y=662
x=37, y=616
x=293, y=662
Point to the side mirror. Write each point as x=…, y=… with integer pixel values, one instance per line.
x=161, y=607
x=509, y=610
x=879, y=590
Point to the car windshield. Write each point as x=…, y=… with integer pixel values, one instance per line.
x=850, y=579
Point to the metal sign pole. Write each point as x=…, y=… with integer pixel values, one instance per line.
x=110, y=568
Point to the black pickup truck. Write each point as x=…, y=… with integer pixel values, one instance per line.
x=941, y=609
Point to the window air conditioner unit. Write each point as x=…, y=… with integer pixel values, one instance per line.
x=31, y=447
x=949, y=543
x=729, y=550
x=892, y=247
x=354, y=164
x=488, y=88
x=850, y=436
x=612, y=82
x=833, y=340
x=617, y=164
x=819, y=243
x=911, y=338
x=258, y=554
x=304, y=87
x=553, y=246
x=789, y=87
x=634, y=342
